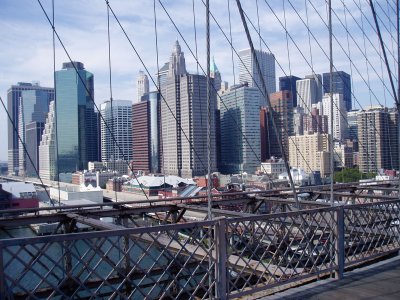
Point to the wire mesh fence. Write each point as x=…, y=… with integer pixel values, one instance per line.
x=222, y=258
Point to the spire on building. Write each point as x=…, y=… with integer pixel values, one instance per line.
x=177, y=65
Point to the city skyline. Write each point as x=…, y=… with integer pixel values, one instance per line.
x=26, y=25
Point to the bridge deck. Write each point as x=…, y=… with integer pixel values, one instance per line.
x=378, y=281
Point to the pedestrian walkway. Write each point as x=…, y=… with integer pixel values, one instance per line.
x=378, y=281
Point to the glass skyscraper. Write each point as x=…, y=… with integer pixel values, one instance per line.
x=33, y=108
x=240, y=130
x=77, y=122
x=248, y=72
x=288, y=83
x=341, y=85
x=14, y=94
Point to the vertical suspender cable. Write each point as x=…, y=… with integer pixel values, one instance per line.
x=384, y=52
x=266, y=95
x=111, y=102
x=208, y=110
x=331, y=148
x=55, y=103
x=398, y=87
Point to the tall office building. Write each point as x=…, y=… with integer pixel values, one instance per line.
x=377, y=139
x=282, y=113
x=288, y=83
x=142, y=85
x=13, y=100
x=77, y=122
x=309, y=92
x=240, y=130
x=33, y=107
x=214, y=73
x=184, y=131
x=248, y=72
x=146, y=134
x=116, y=119
x=352, y=125
x=162, y=74
x=341, y=84
x=33, y=134
x=339, y=130
x=48, y=147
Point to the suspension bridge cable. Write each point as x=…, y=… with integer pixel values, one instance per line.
x=86, y=88
x=55, y=101
x=24, y=146
x=298, y=48
x=374, y=28
x=208, y=111
x=300, y=97
x=384, y=52
x=268, y=101
x=259, y=88
x=204, y=72
x=158, y=88
x=358, y=47
x=349, y=51
x=111, y=101
x=160, y=145
x=198, y=80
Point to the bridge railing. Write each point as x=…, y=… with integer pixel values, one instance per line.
x=220, y=258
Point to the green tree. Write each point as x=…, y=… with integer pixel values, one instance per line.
x=351, y=175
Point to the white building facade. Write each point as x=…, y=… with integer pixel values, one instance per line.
x=48, y=147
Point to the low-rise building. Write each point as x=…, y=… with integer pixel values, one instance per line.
x=152, y=185
x=273, y=166
x=16, y=195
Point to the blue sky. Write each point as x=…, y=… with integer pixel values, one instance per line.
x=26, y=42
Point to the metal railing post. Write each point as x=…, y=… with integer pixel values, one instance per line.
x=339, y=245
x=221, y=255
x=2, y=278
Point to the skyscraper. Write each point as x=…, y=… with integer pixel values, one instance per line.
x=142, y=85
x=77, y=122
x=288, y=83
x=13, y=101
x=162, y=74
x=184, y=120
x=33, y=134
x=240, y=130
x=146, y=134
x=248, y=71
x=309, y=91
x=281, y=103
x=339, y=130
x=33, y=107
x=377, y=139
x=116, y=119
x=341, y=84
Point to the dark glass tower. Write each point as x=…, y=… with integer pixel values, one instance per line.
x=14, y=94
x=77, y=122
x=341, y=85
x=288, y=83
